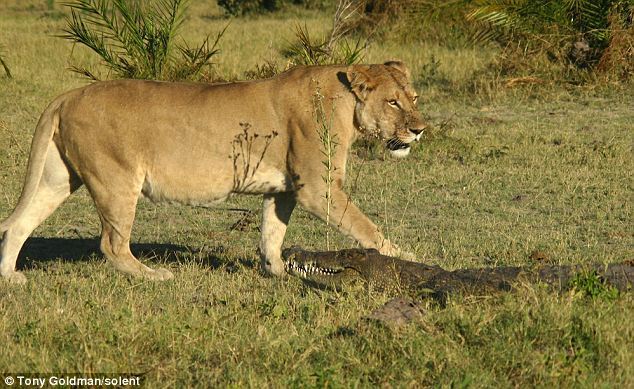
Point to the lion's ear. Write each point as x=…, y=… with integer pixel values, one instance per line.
x=360, y=81
x=400, y=66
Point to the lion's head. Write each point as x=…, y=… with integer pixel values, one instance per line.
x=386, y=104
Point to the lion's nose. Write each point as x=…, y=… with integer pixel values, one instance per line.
x=417, y=131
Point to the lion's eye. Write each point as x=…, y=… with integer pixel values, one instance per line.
x=415, y=99
x=393, y=103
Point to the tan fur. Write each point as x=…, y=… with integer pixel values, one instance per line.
x=199, y=143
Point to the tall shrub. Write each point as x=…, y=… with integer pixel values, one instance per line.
x=136, y=39
x=335, y=48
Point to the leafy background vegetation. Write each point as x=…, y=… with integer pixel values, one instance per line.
x=529, y=161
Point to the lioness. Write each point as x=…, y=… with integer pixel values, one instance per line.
x=199, y=143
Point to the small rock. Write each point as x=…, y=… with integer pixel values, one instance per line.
x=397, y=312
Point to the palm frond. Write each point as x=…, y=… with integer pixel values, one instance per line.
x=79, y=31
x=99, y=15
x=305, y=50
x=350, y=52
x=135, y=38
x=196, y=58
x=84, y=72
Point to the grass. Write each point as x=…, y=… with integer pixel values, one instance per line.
x=506, y=173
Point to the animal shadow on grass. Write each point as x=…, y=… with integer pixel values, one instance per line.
x=37, y=251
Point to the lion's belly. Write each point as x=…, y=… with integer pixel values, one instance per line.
x=215, y=189
x=159, y=193
x=262, y=181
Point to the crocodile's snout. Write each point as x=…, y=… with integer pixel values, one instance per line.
x=289, y=254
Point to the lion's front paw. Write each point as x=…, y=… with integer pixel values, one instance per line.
x=274, y=268
x=15, y=277
x=392, y=250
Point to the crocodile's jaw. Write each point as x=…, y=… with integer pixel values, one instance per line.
x=310, y=269
x=326, y=277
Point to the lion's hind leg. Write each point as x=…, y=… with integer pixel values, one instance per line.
x=116, y=205
x=55, y=185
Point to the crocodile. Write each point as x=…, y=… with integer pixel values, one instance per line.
x=335, y=269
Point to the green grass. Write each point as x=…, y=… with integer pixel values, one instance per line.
x=503, y=175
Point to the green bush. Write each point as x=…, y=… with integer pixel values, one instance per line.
x=244, y=7
x=136, y=39
x=591, y=285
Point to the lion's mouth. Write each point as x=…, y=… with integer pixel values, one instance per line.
x=396, y=144
x=397, y=147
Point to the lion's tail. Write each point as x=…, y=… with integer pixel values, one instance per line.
x=46, y=127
